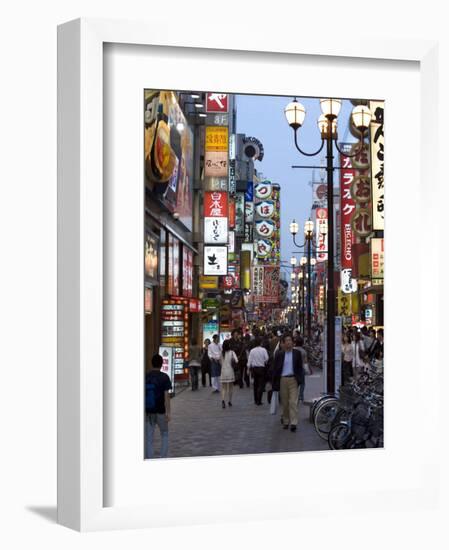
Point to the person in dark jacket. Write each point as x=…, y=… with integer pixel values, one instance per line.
x=288, y=375
x=205, y=364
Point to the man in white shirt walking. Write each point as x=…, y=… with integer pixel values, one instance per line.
x=214, y=352
x=257, y=363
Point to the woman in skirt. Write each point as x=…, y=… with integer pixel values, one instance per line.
x=227, y=377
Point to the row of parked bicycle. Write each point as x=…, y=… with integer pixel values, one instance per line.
x=352, y=418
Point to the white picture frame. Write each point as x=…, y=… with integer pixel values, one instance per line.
x=81, y=398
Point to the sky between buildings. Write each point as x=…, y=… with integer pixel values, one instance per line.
x=263, y=117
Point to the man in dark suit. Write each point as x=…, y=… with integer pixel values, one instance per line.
x=288, y=374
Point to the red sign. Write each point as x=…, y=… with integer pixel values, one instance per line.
x=216, y=102
x=269, y=285
x=228, y=281
x=348, y=206
x=215, y=204
x=194, y=305
x=232, y=213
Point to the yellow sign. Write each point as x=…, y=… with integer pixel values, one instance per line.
x=344, y=304
x=208, y=281
x=217, y=139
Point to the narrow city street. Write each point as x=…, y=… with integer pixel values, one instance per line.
x=200, y=427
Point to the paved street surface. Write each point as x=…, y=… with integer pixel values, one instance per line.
x=200, y=427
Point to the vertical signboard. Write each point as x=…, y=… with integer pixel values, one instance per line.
x=215, y=217
x=377, y=261
x=321, y=219
x=239, y=214
x=377, y=163
x=168, y=367
x=267, y=221
x=347, y=207
x=175, y=331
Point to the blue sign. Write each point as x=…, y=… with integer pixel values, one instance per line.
x=249, y=194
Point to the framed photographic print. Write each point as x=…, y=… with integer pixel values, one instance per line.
x=155, y=132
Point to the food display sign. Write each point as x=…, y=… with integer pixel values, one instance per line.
x=168, y=154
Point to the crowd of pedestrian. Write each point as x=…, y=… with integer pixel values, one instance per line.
x=273, y=359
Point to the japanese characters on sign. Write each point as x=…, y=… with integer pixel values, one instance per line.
x=347, y=208
x=216, y=138
x=267, y=221
x=321, y=219
x=377, y=163
x=267, y=290
x=216, y=164
x=216, y=230
x=215, y=204
x=347, y=283
x=263, y=190
x=377, y=261
x=216, y=102
x=215, y=260
x=361, y=222
x=215, y=217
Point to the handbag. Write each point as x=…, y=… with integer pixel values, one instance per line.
x=274, y=402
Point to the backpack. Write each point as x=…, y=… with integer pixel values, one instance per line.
x=151, y=395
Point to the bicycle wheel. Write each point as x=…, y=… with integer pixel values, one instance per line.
x=324, y=415
x=318, y=404
x=339, y=435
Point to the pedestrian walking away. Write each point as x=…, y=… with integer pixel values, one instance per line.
x=227, y=377
x=157, y=406
x=214, y=352
x=205, y=365
x=194, y=363
x=288, y=375
x=299, y=345
x=257, y=361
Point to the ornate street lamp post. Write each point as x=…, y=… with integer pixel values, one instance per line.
x=361, y=116
x=310, y=262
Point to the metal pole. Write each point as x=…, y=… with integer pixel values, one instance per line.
x=330, y=265
x=309, y=274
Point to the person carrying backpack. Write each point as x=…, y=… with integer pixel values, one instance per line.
x=157, y=406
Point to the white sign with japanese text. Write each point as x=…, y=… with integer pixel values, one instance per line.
x=377, y=163
x=215, y=260
x=216, y=230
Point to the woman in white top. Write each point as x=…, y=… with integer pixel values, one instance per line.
x=227, y=376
